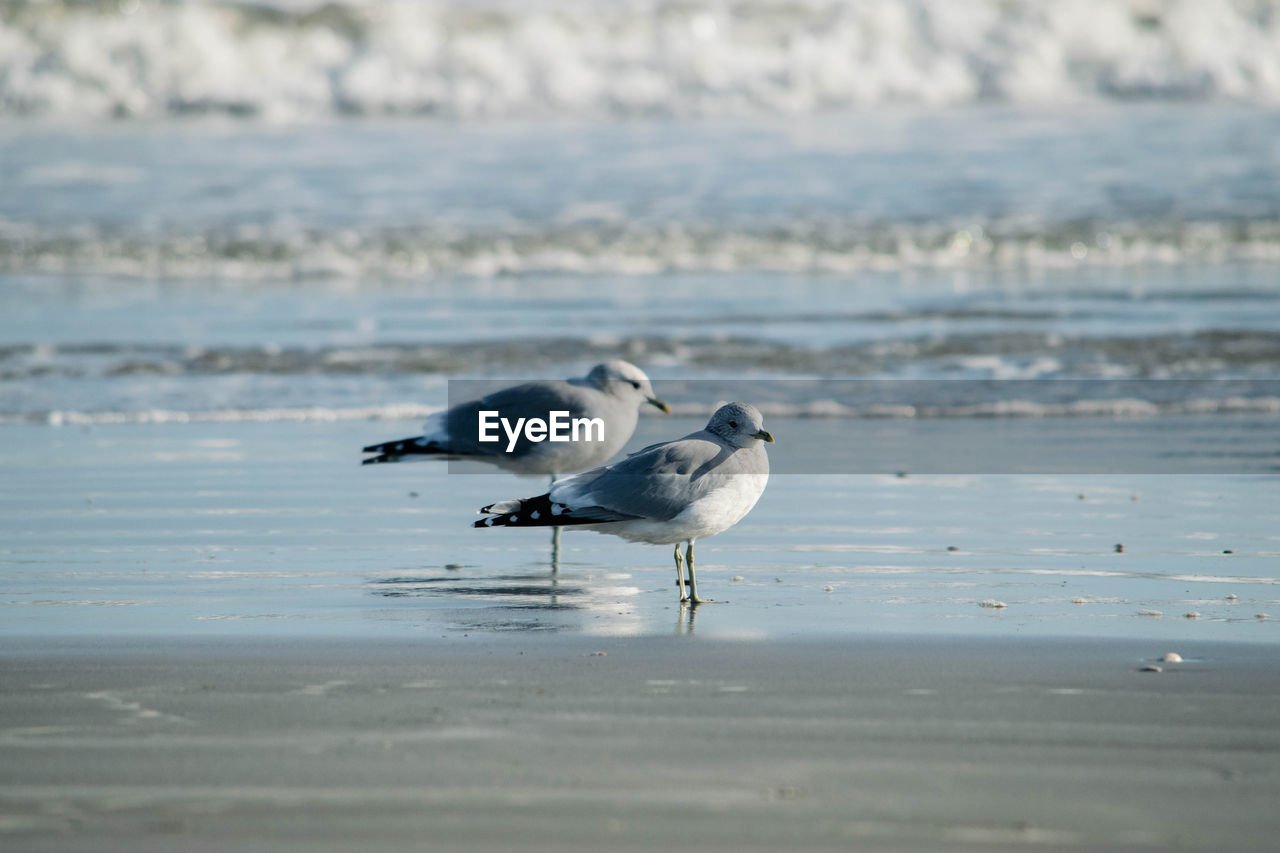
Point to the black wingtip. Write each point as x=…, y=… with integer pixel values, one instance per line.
x=530, y=512
x=394, y=451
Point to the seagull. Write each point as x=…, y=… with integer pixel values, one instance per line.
x=670, y=493
x=613, y=392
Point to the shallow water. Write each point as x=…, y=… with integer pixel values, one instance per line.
x=273, y=529
x=213, y=265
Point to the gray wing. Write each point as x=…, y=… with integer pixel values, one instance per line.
x=658, y=482
x=531, y=400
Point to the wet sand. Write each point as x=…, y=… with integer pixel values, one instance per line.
x=484, y=743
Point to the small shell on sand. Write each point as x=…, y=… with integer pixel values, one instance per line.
x=598, y=654
x=828, y=588
x=737, y=578
x=1191, y=614
x=1151, y=668
x=1150, y=613
x=1079, y=601
x=1262, y=616
x=1172, y=657
x=1231, y=596
x=992, y=603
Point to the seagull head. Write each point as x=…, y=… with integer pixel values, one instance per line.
x=624, y=379
x=740, y=424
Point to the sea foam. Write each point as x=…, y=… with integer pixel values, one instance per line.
x=495, y=59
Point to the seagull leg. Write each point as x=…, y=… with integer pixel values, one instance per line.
x=680, y=575
x=555, y=541
x=693, y=583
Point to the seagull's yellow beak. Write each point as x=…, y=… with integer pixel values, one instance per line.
x=655, y=402
x=764, y=434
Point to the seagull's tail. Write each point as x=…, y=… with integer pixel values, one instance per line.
x=416, y=448
x=529, y=512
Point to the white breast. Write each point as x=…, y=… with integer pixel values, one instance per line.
x=714, y=512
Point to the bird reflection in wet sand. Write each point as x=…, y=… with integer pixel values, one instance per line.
x=521, y=591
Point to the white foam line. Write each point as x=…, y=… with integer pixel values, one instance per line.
x=394, y=412
x=819, y=409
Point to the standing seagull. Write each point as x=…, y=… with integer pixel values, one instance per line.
x=613, y=392
x=679, y=491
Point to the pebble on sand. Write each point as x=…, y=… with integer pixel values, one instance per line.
x=828, y=588
x=952, y=548
x=1150, y=613
x=1191, y=614
x=1262, y=616
x=737, y=578
x=992, y=603
x=1079, y=600
x=1231, y=596
x=1151, y=668
x=1172, y=657
x=1119, y=547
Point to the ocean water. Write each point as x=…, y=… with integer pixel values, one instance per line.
x=237, y=242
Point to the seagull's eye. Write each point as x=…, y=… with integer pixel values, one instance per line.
x=635, y=385
x=733, y=424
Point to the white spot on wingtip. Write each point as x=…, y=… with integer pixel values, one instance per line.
x=513, y=518
x=535, y=515
x=488, y=522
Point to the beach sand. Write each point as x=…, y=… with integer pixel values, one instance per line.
x=575, y=743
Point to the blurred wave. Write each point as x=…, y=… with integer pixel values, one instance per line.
x=156, y=58
x=821, y=246
x=1015, y=353
x=995, y=409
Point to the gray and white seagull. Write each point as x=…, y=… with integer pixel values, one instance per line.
x=613, y=392
x=671, y=493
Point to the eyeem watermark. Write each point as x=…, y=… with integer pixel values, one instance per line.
x=558, y=427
